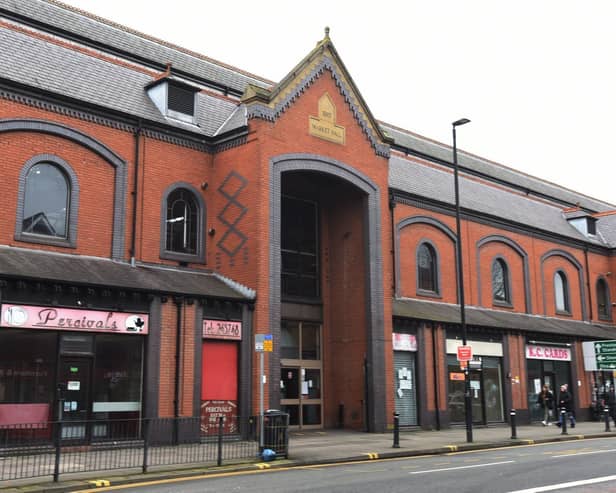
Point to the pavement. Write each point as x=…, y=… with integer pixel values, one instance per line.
x=336, y=446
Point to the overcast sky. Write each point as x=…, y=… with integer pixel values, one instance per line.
x=537, y=78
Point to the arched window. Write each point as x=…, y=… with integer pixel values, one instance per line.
x=427, y=273
x=47, y=203
x=500, y=281
x=182, y=228
x=603, y=300
x=561, y=292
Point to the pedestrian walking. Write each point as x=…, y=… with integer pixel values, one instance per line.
x=545, y=399
x=565, y=401
x=610, y=402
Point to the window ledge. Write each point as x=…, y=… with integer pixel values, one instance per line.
x=502, y=304
x=183, y=257
x=563, y=313
x=45, y=240
x=429, y=294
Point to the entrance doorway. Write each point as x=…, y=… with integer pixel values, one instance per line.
x=301, y=374
x=486, y=385
x=74, y=377
x=540, y=373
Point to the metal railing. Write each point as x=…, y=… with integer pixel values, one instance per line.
x=58, y=448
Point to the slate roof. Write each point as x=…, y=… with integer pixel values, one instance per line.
x=38, y=265
x=482, y=317
x=431, y=182
x=107, y=33
x=497, y=171
x=606, y=227
x=66, y=72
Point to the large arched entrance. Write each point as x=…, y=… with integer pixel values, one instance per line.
x=326, y=295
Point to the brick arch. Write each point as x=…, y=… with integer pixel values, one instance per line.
x=94, y=145
x=578, y=266
x=516, y=248
x=409, y=221
x=372, y=209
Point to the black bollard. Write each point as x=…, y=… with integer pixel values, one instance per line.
x=607, y=418
x=563, y=421
x=396, y=430
x=514, y=434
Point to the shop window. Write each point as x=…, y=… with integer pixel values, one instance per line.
x=603, y=300
x=500, y=282
x=289, y=345
x=299, y=248
x=47, y=206
x=561, y=292
x=117, y=376
x=183, y=225
x=27, y=366
x=427, y=270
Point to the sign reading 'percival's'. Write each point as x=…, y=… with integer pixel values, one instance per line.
x=548, y=352
x=222, y=329
x=51, y=318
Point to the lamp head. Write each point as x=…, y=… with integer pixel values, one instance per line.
x=461, y=121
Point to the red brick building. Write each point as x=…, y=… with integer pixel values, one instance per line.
x=161, y=209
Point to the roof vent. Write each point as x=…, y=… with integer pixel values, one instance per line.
x=174, y=98
x=581, y=220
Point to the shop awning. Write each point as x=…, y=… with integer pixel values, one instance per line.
x=482, y=317
x=33, y=265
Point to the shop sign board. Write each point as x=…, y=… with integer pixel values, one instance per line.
x=222, y=329
x=599, y=355
x=404, y=342
x=465, y=353
x=53, y=318
x=212, y=411
x=548, y=352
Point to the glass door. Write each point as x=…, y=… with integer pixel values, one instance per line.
x=476, y=382
x=300, y=374
x=74, y=394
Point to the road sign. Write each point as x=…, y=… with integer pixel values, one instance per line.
x=465, y=353
x=605, y=354
x=264, y=343
x=599, y=355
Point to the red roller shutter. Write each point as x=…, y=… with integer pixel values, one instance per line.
x=219, y=370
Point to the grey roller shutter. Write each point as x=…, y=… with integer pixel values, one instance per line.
x=404, y=397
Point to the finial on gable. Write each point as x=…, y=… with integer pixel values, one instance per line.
x=326, y=32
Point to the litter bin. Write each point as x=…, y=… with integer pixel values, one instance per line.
x=275, y=432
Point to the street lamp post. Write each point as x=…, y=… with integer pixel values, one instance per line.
x=468, y=410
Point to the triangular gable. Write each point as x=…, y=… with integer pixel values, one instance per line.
x=270, y=104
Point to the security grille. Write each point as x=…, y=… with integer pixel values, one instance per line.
x=405, y=387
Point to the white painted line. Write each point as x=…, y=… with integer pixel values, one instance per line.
x=463, y=467
x=572, y=484
x=574, y=454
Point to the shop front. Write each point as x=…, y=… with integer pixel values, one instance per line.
x=70, y=365
x=219, y=374
x=547, y=364
x=486, y=382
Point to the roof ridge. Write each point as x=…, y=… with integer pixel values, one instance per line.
x=500, y=165
x=156, y=40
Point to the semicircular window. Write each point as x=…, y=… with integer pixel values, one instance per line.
x=46, y=201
